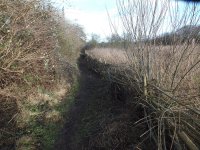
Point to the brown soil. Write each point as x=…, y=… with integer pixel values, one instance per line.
x=100, y=121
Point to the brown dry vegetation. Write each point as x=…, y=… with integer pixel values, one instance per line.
x=108, y=55
x=172, y=112
x=36, y=72
x=165, y=76
x=36, y=41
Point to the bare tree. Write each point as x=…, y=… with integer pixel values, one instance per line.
x=168, y=76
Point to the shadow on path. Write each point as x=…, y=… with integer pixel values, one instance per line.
x=92, y=88
x=98, y=121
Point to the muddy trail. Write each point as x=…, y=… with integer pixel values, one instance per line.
x=99, y=121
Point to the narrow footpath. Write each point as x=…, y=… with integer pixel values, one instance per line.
x=92, y=89
x=97, y=121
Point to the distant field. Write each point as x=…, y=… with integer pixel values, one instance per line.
x=119, y=56
x=108, y=55
x=167, y=64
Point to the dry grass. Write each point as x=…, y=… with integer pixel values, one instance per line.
x=172, y=91
x=108, y=56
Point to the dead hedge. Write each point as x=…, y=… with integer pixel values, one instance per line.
x=177, y=121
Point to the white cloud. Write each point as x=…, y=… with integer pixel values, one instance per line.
x=92, y=22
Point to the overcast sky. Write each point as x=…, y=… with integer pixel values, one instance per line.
x=93, y=17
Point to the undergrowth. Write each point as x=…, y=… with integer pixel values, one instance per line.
x=47, y=120
x=37, y=65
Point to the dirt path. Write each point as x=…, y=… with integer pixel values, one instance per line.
x=90, y=86
x=98, y=121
